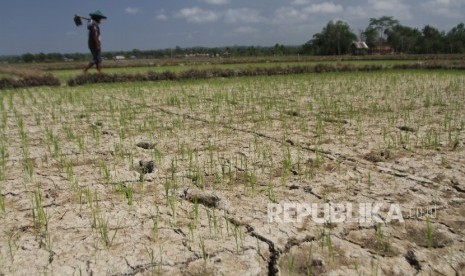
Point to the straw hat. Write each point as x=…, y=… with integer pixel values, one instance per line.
x=97, y=15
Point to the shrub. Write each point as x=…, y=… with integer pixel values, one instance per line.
x=255, y=71
x=29, y=81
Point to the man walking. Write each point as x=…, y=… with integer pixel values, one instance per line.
x=94, y=41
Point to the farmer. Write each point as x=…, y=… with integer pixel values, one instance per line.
x=94, y=41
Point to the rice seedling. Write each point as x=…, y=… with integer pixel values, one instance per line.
x=151, y=255
x=40, y=217
x=429, y=232
x=155, y=224
x=291, y=268
x=3, y=159
x=103, y=231
x=204, y=252
x=105, y=172
x=12, y=246
x=2, y=201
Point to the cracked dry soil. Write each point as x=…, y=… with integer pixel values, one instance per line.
x=177, y=178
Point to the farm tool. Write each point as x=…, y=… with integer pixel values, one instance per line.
x=95, y=16
x=78, y=20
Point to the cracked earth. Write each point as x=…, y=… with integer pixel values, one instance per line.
x=186, y=177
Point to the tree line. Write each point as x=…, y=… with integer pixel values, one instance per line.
x=230, y=51
x=335, y=38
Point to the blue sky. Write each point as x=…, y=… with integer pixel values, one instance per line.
x=47, y=26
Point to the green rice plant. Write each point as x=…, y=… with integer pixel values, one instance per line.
x=155, y=224
x=88, y=197
x=379, y=239
x=250, y=180
x=40, y=217
x=198, y=177
x=2, y=201
x=310, y=261
x=195, y=211
x=129, y=194
x=127, y=191
x=291, y=268
x=429, y=232
x=325, y=240
x=319, y=158
x=215, y=223
x=173, y=169
x=151, y=255
x=330, y=246
x=79, y=195
x=105, y=172
x=69, y=132
x=191, y=231
x=103, y=231
x=157, y=156
x=96, y=133
x=271, y=193
x=319, y=128
x=173, y=204
x=238, y=237
x=49, y=246
x=204, y=252
x=12, y=246
x=369, y=181
x=3, y=160
x=70, y=171
x=225, y=218
x=56, y=147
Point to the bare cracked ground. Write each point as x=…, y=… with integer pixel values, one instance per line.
x=219, y=178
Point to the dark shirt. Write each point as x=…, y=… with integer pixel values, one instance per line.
x=94, y=36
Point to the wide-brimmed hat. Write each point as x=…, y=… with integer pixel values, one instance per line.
x=97, y=14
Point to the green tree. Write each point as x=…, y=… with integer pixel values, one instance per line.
x=28, y=57
x=403, y=39
x=455, y=39
x=371, y=36
x=334, y=39
x=383, y=26
x=432, y=41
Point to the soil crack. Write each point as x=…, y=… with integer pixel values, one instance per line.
x=274, y=253
x=412, y=260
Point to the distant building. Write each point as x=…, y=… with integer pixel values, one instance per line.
x=382, y=49
x=359, y=48
x=119, y=58
x=197, y=55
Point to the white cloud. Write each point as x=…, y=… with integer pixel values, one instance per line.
x=230, y=16
x=300, y=2
x=198, y=15
x=243, y=15
x=391, y=7
x=449, y=8
x=376, y=8
x=291, y=14
x=324, y=8
x=216, y=2
x=132, y=11
x=161, y=15
x=246, y=30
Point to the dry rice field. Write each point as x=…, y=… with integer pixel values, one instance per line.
x=217, y=177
